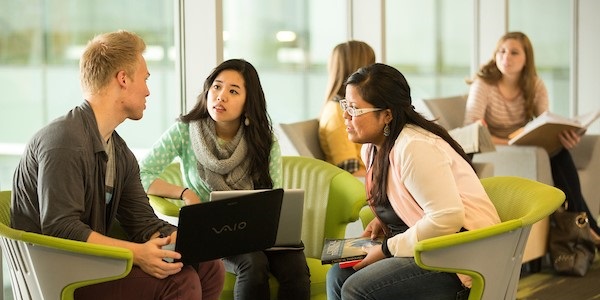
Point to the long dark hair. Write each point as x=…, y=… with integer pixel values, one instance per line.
x=259, y=133
x=385, y=87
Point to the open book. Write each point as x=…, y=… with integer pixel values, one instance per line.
x=543, y=131
x=474, y=138
x=348, y=249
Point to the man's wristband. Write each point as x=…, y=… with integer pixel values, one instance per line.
x=385, y=249
x=181, y=196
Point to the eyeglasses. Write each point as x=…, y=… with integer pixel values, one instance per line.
x=355, y=112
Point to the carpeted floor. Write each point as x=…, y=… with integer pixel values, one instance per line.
x=546, y=285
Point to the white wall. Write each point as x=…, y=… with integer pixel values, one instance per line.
x=588, y=59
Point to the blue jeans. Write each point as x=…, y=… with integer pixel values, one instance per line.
x=392, y=278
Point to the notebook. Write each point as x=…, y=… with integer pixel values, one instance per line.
x=289, y=233
x=240, y=224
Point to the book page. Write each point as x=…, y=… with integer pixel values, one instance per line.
x=467, y=137
x=486, y=144
x=587, y=119
x=473, y=138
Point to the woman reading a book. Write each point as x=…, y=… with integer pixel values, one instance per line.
x=420, y=185
x=506, y=94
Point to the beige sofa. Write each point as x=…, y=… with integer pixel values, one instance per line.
x=529, y=162
x=533, y=162
x=587, y=160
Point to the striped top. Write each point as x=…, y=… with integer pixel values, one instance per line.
x=503, y=116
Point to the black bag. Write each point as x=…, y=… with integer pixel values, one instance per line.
x=572, y=249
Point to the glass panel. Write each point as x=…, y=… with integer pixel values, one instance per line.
x=289, y=47
x=548, y=28
x=40, y=45
x=430, y=44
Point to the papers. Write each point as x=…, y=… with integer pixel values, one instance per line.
x=543, y=131
x=473, y=138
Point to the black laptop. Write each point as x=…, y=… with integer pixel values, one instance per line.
x=228, y=227
x=289, y=231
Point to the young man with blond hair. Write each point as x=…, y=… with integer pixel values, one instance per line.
x=77, y=179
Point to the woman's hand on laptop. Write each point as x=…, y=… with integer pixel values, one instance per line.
x=150, y=257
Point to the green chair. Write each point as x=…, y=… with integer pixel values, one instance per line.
x=492, y=256
x=165, y=208
x=333, y=199
x=46, y=267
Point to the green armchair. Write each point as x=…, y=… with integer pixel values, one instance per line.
x=333, y=199
x=37, y=263
x=165, y=208
x=520, y=203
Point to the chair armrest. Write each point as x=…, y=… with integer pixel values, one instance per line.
x=165, y=206
x=77, y=246
x=350, y=196
x=523, y=161
x=46, y=259
x=468, y=253
x=587, y=153
x=366, y=216
x=586, y=157
x=465, y=237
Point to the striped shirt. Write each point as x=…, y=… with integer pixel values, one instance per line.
x=503, y=116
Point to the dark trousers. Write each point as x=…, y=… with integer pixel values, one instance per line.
x=252, y=274
x=564, y=174
x=205, y=283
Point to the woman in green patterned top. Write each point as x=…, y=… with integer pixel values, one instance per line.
x=226, y=142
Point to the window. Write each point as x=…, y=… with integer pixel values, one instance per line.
x=40, y=45
x=430, y=42
x=549, y=28
x=289, y=45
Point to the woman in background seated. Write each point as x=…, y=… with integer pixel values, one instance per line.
x=345, y=59
x=506, y=94
x=226, y=142
x=420, y=185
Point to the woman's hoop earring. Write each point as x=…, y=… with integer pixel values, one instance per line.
x=386, y=130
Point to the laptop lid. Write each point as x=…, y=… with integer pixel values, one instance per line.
x=289, y=233
x=237, y=225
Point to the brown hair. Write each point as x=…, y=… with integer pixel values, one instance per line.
x=107, y=54
x=491, y=74
x=345, y=59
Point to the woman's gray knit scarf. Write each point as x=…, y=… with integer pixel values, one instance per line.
x=222, y=166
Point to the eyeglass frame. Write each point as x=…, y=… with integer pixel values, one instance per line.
x=355, y=112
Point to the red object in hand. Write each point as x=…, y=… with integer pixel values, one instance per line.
x=348, y=264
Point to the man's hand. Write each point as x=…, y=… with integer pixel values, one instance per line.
x=149, y=257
